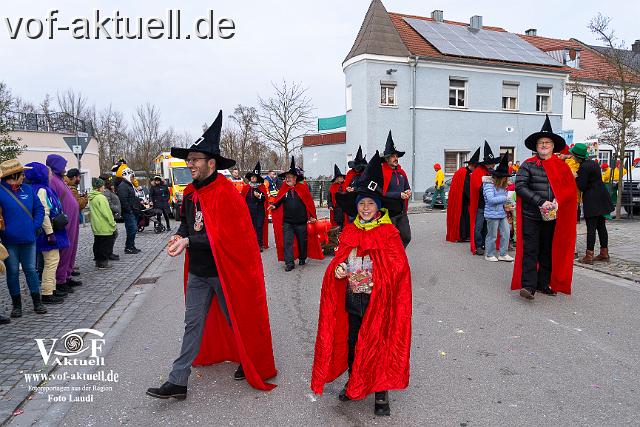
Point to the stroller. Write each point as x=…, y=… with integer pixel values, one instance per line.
x=150, y=215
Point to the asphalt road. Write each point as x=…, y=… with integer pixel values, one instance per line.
x=481, y=355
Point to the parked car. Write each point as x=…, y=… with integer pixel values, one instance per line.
x=428, y=194
x=631, y=191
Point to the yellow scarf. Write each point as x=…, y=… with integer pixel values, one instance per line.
x=384, y=219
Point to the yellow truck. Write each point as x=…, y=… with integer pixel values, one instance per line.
x=176, y=175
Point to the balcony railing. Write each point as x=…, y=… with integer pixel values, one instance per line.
x=52, y=122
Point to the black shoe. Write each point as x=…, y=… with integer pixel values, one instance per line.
x=102, y=265
x=168, y=390
x=343, y=395
x=239, y=374
x=17, y=306
x=38, y=306
x=289, y=267
x=261, y=249
x=548, y=291
x=4, y=320
x=479, y=251
x=131, y=251
x=52, y=299
x=75, y=273
x=137, y=250
x=302, y=262
x=74, y=283
x=382, y=407
x=65, y=288
x=59, y=293
x=114, y=257
x=526, y=293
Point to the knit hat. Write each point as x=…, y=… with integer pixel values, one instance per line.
x=98, y=183
x=374, y=198
x=604, y=166
x=437, y=166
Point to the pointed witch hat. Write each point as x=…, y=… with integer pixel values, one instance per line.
x=209, y=144
x=359, y=161
x=255, y=172
x=294, y=171
x=369, y=185
x=546, y=132
x=336, y=173
x=488, y=158
x=475, y=159
x=390, y=148
x=502, y=169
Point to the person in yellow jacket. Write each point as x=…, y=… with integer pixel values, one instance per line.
x=439, y=191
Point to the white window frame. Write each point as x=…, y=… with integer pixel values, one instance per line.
x=549, y=101
x=608, y=97
x=464, y=89
x=584, y=109
x=387, y=87
x=517, y=105
x=605, y=159
x=348, y=94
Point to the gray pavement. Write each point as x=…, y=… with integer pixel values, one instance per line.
x=481, y=355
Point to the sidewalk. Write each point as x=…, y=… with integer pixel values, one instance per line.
x=82, y=309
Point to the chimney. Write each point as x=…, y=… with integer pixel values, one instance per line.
x=531, y=32
x=437, y=15
x=476, y=22
x=636, y=46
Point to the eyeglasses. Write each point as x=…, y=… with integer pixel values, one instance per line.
x=194, y=159
x=545, y=142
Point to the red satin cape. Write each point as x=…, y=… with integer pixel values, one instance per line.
x=454, y=204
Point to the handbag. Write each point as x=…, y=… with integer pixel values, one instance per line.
x=60, y=221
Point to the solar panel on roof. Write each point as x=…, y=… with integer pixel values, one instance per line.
x=462, y=40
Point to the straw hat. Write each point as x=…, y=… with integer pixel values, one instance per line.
x=9, y=167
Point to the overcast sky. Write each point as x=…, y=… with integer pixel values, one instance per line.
x=303, y=41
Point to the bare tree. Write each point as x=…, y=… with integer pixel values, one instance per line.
x=249, y=146
x=110, y=130
x=616, y=108
x=285, y=117
x=146, y=139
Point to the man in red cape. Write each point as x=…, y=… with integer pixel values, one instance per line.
x=458, y=207
x=477, y=223
x=257, y=206
x=294, y=217
x=544, y=249
x=396, y=186
x=336, y=216
x=226, y=313
x=356, y=166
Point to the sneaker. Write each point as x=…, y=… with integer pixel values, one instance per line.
x=238, y=375
x=525, y=293
x=491, y=258
x=168, y=390
x=52, y=299
x=507, y=258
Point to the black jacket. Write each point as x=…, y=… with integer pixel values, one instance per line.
x=294, y=209
x=255, y=204
x=128, y=200
x=532, y=185
x=159, y=195
x=595, y=198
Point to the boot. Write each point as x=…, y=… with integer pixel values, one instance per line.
x=168, y=390
x=73, y=283
x=38, y=306
x=52, y=299
x=65, y=288
x=603, y=255
x=381, y=407
x=17, y=306
x=587, y=259
x=4, y=320
x=239, y=374
x=343, y=394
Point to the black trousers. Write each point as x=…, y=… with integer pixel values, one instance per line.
x=258, y=223
x=402, y=224
x=537, y=238
x=299, y=233
x=465, y=231
x=338, y=216
x=356, y=306
x=102, y=247
x=596, y=223
x=165, y=212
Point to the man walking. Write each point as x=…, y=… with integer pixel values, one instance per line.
x=458, y=201
x=396, y=186
x=439, y=187
x=159, y=195
x=130, y=207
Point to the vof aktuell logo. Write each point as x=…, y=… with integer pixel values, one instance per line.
x=78, y=351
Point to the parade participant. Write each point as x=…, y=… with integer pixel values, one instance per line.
x=546, y=216
x=130, y=207
x=458, y=208
x=103, y=225
x=356, y=166
x=494, y=189
x=364, y=323
x=596, y=203
x=54, y=236
x=159, y=195
x=70, y=207
x=336, y=214
x=477, y=223
x=396, y=186
x=439, y=187
x=255, y=194
x=23, y=215
x=226, y=313
x=290, y=223
x=236, y=180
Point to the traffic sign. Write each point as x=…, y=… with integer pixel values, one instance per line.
x=82, y=134
x=77, y=149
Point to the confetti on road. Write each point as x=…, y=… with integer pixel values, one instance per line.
x=459, y=331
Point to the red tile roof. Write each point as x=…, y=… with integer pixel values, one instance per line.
x=325, y=139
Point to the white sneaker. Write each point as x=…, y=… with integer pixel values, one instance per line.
x=507, y=258
x=491, y=258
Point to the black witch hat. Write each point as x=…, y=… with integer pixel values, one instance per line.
x=475, y=159
x=359, y=160
x=336, y=173
x=369, y=185
x=488, y=158
x=502, y=169
x=209, y=144
x=546, y=132
x=390, y=148
x=293, y=170
x=255, y=172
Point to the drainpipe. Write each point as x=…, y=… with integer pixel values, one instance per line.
x=413, y=130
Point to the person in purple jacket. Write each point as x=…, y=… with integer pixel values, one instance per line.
x=70, y=206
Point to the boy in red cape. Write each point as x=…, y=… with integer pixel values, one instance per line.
x=458, y=207
x=544, y=249
x=226, y=313
x=336, y=216
x=257, y=203
x=364, y=323
x=477, y=223
x=294, y=224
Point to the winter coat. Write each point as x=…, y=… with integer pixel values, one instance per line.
x=494, y=199
x=128, y=200
x=114, y=203
x=532, y=185
x=82, y=200
x=102, y=222
x=159, y=195
x=20, y=228
x=595, y=197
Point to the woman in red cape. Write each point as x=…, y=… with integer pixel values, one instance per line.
x=455, y=205
x=378, y=360
x=337, y=186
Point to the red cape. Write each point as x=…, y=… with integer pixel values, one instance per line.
x=314, y=247
x=333, y=189
x=564, y=189
x=384, y=342
x=454, y=205
x=248, y=340
x=350, y=175
x=387, y=173
x=265, y=226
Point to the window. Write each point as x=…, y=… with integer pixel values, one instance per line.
x=453, y=160
x=509, y=96
x=509, y=151
x=348, y=97
x=604, y=156
x=387, y=94
x=606, y=101
x=457, y=93
x=543, y=99
x=631, y=109
x=578, y=106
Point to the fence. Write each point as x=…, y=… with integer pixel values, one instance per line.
x=51, y=122
x=319, y=190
